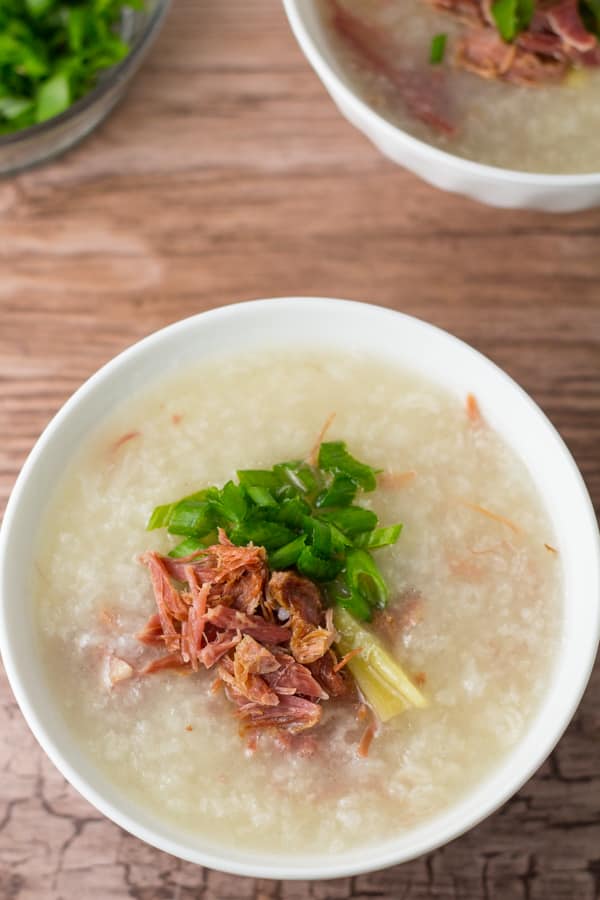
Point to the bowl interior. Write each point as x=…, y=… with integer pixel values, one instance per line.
x=342, y=325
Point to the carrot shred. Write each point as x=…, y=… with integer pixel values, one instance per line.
x=550, y=548
x=346, y=659
x=366, y=739
x=188, y=728
x=420, y=679
x=396, y=479
x=314, y=453
x=491, y=515
x=465, y=568
x=487, y=550
x=176, y=418
x=129, y=436
x=473, y=411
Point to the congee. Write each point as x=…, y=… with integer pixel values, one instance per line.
x=511, y=83
x=303, y=600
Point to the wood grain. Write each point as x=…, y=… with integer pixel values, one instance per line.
x=227, y=174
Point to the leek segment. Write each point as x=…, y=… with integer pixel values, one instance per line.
x=385, y=685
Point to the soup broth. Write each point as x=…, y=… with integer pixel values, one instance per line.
x=551, y=128
x=475, y=601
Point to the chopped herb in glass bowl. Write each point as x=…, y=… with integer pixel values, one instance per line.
x=63, y=65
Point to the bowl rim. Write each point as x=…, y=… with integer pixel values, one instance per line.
x=113, y=75
x=483, y=171
x=377, y=856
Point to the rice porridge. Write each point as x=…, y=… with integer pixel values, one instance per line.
x=475, y=601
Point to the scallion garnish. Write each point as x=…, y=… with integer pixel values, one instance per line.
x=51, y=53
x=512, y=17
x=438, y=48
x=303, y=515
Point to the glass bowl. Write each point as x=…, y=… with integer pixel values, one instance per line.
x=39, y=143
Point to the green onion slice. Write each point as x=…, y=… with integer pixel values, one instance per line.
x=438, y=49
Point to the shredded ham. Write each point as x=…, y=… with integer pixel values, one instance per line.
x=171, y=607
x=219, y=647
x=555, y=40
x=292, y=677
x=170, y=661
x=565, y=20
x=219, y=608
x=293, y=714
x=152, y=632
x=335, y=683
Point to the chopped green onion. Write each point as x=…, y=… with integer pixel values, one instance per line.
x=232, y=503
x=356, y=604
x=51, y=54
x=312, y=566
x=505, y=17
x=340, y=492
x=299, y=475
x=381, y=679
x=264, y=534
x=292, y=512
x=262, y=496
x=363, y=577
x=526, y=9
x=339, y=541
x=287, y=556
x=512, y=17
x=438, y=48
x=352, y=520
x=193, y=517
x=264, y=478
x=12, y=107
x=53, y=97
x=379, y=537
x=161, y=516
x=334, y=457
x=303, y=516
x=320, y=533
x=185, y=548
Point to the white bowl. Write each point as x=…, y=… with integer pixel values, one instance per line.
x=326, y=323
x=488, y=184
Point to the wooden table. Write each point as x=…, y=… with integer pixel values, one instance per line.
x=227, y=174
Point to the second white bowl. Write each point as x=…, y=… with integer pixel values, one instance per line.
x=488, y=184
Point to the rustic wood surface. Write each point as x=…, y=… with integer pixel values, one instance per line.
x=227, y=174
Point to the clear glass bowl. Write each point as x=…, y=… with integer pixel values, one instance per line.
x=41, y=142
